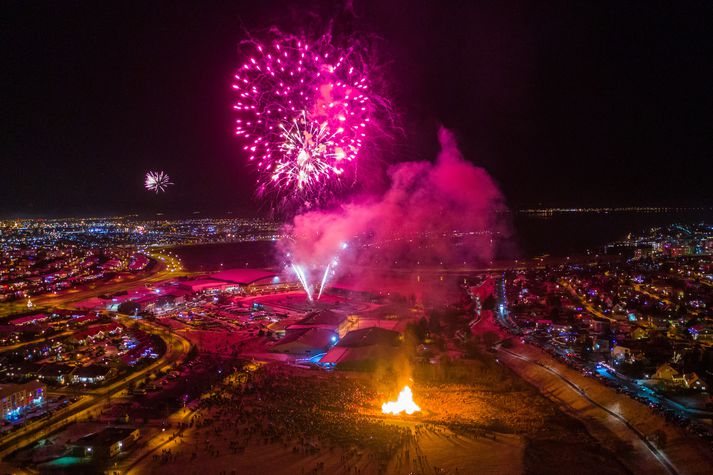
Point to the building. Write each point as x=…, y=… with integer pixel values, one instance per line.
x=23, y=370
x=94, y=333
x=626, y=353
x=92, y=374
x=324, y=319
x=248, y=278
x=668, y=375
x=203, y=285
x=106, y=443
x=29, y=319
x=702, y=333
x=15, y=398
x=55, y=373
x=363, y=348
x=306, y=342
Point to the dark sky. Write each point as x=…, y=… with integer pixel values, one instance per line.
x=564, y=102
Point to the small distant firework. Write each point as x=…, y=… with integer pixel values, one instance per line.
x=304, y=111
x=157, y=181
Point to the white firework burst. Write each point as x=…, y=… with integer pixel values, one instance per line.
x=310, y=154
x=157, y=181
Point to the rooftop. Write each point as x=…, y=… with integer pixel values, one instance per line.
x=310, y=337
x=108, y=436
x=369, y=336
x=243, y=276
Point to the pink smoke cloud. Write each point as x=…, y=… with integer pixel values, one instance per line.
x=447, y=211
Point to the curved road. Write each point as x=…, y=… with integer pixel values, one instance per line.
x=177, y=348
x=660, y=456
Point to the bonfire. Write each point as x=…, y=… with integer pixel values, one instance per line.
x=404, y=403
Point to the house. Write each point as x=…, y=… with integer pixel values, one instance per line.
x=625, y=353
x=665, y=372
x=670, y=376
x=97, y=332
x=29, y=319
x=23, y=370
x=601, y=345
x=702, y=333
x=92, y=374
x=597, y=326
x=84, y=319
x=55, y=373
x=9, y=334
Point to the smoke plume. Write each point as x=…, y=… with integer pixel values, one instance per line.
x=447, y=212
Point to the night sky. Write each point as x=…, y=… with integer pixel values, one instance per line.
x=564, y=103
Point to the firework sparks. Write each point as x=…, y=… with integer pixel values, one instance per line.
x=324, y=278
x=299, y=272
x=157, y=181
x=304, y=112
x=304, y=274
x=310, y=154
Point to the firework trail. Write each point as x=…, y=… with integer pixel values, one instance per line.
x=299, y=272
x=324, y=279
x=304, y=272
x=157, y=181
x=304, y=111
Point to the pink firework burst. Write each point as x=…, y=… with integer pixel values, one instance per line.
x=305, y=110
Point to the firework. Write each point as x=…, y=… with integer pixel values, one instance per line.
x=324, y=278
x=304, y=273
x=157, y=181
x=299, y=272
x=304, y=111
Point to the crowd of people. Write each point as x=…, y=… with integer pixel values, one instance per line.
x=302, y=412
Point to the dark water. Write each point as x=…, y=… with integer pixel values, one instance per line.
x=558, y=235
x=574, y=233
x=214, y=257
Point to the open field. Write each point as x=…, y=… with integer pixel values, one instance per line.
x=281, y=419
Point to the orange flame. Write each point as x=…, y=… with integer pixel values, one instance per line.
x=404, y=403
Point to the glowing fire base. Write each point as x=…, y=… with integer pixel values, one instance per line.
x=404, y=403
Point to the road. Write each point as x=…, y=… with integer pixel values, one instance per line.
x=581, y=393
x=177, y=348
x=580, y=401
x=166, y=266
x=16, y=346
x=584, y=303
